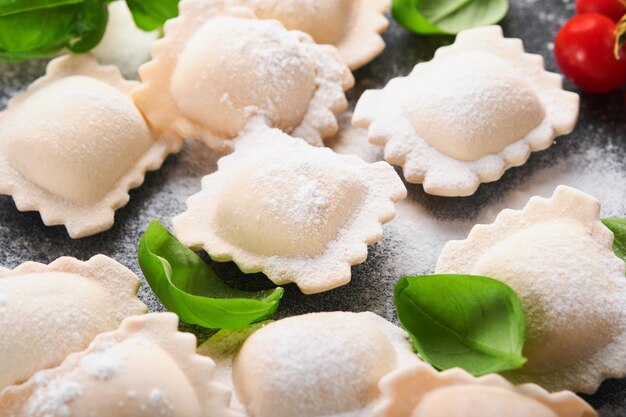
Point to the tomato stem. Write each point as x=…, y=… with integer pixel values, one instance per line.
x=620, y=36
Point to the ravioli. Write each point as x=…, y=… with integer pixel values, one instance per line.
x=74, y=144
x=295, y=212
x=557, y=255
x=144, y=368
x=50, y=311
x=479, y=107
x=318, y=364
x=218, y=67
x=420, y=391
x=352, y=26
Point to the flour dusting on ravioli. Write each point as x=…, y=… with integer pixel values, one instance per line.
x=295, y=212
x=420, y=391
x=557, y=255
x=144, y=368
x=479, y=107
x=352, y=26
x=219, y=66
x=74, y=144
x=50, y=311
x=319, y=364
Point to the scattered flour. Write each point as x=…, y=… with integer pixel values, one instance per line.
x=4, y=299
x=52, y=398
x=352, y=140
x=101, y=365
x=416, y=236
x=160, y=404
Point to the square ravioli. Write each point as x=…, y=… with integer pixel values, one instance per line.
x=295, y=212
x=479, y=107
x=74, y=144
x=218, y=66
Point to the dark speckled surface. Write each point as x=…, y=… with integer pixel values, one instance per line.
x=23, y=237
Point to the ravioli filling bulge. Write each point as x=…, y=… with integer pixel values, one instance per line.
x=473, y=104
x=233, y=68
x=75, y=138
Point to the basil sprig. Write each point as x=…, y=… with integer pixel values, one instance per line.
x=188, y=286
x=447, y=17
x=472, y=322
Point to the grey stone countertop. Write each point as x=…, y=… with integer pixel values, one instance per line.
x=591, y=159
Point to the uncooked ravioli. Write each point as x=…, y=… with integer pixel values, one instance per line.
x=420, y=391
x=293, y=211
x=480, y=106
x=557, y=255
x=352, y=26
x=319, y=364
x=50, y=311
x=74, y=144
x=219, y=66
x=144, y=368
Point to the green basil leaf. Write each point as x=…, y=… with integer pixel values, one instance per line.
x=90, y=26
x=226, y=343
x=8, y=7
x=37, y=33
x=151, y=15
x=437, y=17
x=188, y=286
x=472, y=322
x=617, y=225
x=41, y=28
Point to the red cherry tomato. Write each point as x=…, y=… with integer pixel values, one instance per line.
x=584, y=51
x=613, y=9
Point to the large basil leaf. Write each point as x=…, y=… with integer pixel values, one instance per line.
x=617, y=225
x=8, y=7
x=432, y=17
x=188, y=286
x=151, y=15
x=41, y=28
x=472, y=322
x=36, y=33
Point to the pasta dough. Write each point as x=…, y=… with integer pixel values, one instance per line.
x=218, y=67
x=295, y=212
x=145, y=368
x=480, y=106
x=50, y=311
x=420, y=391
x=73, y=145
x=557, y=256
x=318, y=364
x=352, y=26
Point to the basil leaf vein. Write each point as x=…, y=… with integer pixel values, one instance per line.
x=472, y=322
x=189, y=287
